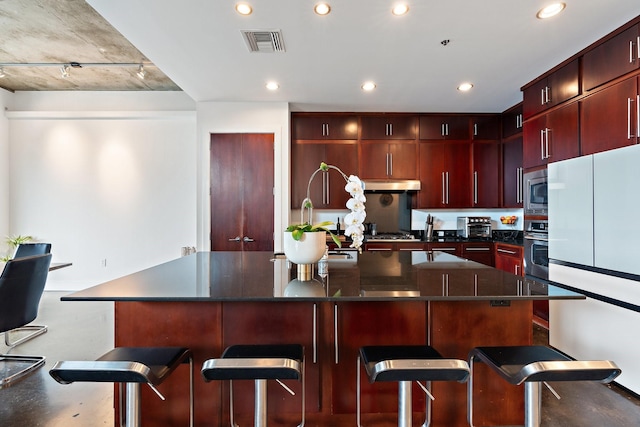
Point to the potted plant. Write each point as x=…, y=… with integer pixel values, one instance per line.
x=305, y=243
x=13, y=243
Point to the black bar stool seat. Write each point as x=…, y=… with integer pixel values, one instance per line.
x=131, y=366
x=405, y=364
x=534, y=364
x=259, y=363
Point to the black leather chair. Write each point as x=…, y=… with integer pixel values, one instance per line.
x=404, y=364
x=259, y=363
x=130, y=366
x=25, y=250
x=30, y=249
x=533, y=364
x=21, y=286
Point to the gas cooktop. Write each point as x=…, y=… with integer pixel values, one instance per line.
x=386, y=237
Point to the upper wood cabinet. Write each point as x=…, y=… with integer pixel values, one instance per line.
x=610, y=118
x=388, y=160
x=611, y=59
x=444, y=126
x=512, y=121
x=512, y=173
x=485, y=126
x=551, y=90
x=327, y=189
x=445, y=175
x=551, y=137
x=324, y=126
x=388, y=126
x=486, y=166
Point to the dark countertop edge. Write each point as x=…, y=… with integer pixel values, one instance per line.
x=337, y=299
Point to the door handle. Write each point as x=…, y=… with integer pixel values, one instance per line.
x=247, y=239
x=236, y=239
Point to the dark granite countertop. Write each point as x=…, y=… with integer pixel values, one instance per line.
x=259, y=276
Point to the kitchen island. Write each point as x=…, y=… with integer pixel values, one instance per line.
x=210, y=300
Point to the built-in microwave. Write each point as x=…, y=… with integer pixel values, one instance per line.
x=535, y=192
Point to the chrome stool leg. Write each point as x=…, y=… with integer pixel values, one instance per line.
x=404, y=403
x=260, y=403
x=532, y=404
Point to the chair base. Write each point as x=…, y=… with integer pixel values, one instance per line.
x=35, y=330
x=25, y=365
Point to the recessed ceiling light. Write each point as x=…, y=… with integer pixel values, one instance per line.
x=400, y=9
x=272, y=86
x=464, y=87
x=322, y=8
x=243, y=9
x=551, y=10
x=368, y=86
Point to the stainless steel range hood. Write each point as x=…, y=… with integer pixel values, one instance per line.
x=391, y=185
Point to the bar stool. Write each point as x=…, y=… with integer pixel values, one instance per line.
x=259, y=363
x=405, y=364
x=131, y=366
x=532, y=365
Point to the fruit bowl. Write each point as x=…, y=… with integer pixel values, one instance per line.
x=509, y=219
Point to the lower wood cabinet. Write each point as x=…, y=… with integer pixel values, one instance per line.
x=481, y=252
x=509, y=258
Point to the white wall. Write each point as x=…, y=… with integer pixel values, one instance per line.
x=5, y=102
x=109, y=178
x=241, y=117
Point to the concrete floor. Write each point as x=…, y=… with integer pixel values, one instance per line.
x=84, y=330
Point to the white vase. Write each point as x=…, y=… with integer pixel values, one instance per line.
x=308, y=250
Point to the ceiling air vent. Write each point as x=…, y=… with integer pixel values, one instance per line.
x=267, y=41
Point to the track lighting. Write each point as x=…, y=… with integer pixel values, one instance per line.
x=64, y=71
x=141, y=73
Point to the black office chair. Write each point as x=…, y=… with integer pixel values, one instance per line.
x=21, y=286
x=30, y=249
x=25, y=250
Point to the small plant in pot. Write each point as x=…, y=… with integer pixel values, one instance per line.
x=305, y=243
x=13, y=243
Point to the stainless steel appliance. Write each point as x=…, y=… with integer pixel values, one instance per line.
x=470, y=227
x=535, y=192
x=536, y=248
x=392, y=237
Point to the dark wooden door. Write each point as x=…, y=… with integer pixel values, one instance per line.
x=534, y=144
x=611, y=59
x=437, y=126
x=431, y=194
x=486, y=165
x=388, y=126
x=458, y=178
x=374, y=160
x=563, y=138
x=242, y=170
x=608, y=118
x=512, y=173
x=325, y=127
x=305, y=159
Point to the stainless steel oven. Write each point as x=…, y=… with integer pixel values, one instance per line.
x=535, y=192
x=470, y=227
x=536, y=248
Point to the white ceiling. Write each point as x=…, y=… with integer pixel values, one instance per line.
x=498, y=45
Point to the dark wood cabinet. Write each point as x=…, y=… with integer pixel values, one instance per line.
x=453, y=248
x=358, y=324
x=386, y=160
x=481, y=252
x=324, y=126
x=512, y=121
x=327, y=188
x=388, y=126
x=445, y=126
x=610, y=118
x=512, y=173
x=509, y=258
x=445, y=175
x=554, y=89
x=551, y=137
x=486, y=126
x=613, y=58
x=486, y=166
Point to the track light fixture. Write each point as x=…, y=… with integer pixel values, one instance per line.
x=64, y=71
x=141, y=73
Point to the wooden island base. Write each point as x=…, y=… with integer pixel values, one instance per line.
x=331, y=332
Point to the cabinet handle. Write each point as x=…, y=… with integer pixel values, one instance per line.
x=247, y=239
x=327, y=187
x=315, y=333
x=335, y=332
x=390, y=164
x=542, y=144
x=475, y=187
x=505, y=251
x=442, y=129
x=447, y=177
x=629, y=101
x=638, y=110
x=519, y=189
x=235, y=239
x=516, y=269
x=477, y=249
x=518, y=121
x=445, y=284
x=390, y=125
x=386, y=156
x=547, y=93
x=378, y=249
x=444, y=249
x=631, y=59
x=546, y=140
x=443, y=190
x=475, y=129
x=541, y=96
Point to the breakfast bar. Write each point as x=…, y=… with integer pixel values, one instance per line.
x=210, y=300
